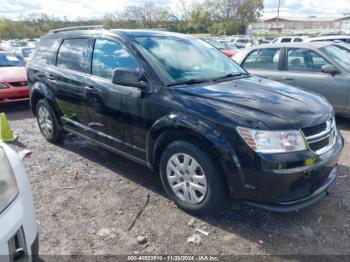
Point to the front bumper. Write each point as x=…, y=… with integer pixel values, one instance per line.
x=288, y=182
x=14, y=94
x=18, y=229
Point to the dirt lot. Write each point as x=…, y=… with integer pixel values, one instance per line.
x=87, y=197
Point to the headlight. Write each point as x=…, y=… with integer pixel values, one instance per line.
x=8, y=184
x=3, y=86
x=273, y=141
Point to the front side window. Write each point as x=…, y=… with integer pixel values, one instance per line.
x=185, y=58
x=305, y=60
x=74, y=54
x=108, y=56
x=268, y=59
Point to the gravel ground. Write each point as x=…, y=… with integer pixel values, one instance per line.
x=87, y=197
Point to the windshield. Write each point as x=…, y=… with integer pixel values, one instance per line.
x=10, y=60
x=187, y=59
x=27, y=51
x=339, y=56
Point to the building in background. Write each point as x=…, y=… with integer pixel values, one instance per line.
x=310, y=24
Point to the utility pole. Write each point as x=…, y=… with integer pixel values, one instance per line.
x=278, y=14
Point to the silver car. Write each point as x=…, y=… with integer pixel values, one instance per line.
x=319, y=67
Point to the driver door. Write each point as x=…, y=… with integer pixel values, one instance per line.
x=304, y=69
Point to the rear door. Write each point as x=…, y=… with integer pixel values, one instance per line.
x=304, y=69
x=69, y=81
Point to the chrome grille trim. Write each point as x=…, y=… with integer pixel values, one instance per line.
x=329, y=133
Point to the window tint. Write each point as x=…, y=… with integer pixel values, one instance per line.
x=268, y=59
x=108, y=56
x=286, y=40
x=74, y=54
x=249, y=62
x=46, y=52
x=305, y=60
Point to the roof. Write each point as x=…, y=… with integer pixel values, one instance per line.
x=124, y=33
x=330, y=38
x=312, y=45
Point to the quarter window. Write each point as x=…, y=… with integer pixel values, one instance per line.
x=305, y=60
x=249, y=62
x=46, y=52
x=75, y=54
x=268, y=59
x=108, y=56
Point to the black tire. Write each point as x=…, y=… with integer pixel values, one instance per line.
x=216, y=194
x=57, y=134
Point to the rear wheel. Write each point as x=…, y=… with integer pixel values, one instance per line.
x=191, y=178
x=47, y=122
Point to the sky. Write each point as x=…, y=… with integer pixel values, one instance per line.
x=74, y=9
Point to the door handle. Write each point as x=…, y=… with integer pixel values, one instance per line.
x=89, y=88
x=51, y=78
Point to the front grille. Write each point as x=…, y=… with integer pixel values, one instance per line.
x=319, y=145
x=313, y=130
x=19, y=84
x=321, y=138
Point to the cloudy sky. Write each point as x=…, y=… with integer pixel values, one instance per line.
x=95, y=8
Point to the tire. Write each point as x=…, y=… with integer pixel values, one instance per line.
x=47, y=122
x=201, y=203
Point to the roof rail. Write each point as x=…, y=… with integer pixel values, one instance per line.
x=86, y=27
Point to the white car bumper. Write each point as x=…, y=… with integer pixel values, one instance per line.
x=18, y=229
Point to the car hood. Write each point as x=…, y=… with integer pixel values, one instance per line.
x=12, y=74
x=277, y=105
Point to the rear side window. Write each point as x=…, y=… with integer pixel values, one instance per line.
x=268, y=59
x=249, y=62
x=75, y=54
x=108, y=56
x=46, y=51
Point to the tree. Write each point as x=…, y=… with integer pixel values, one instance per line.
x=250, y=11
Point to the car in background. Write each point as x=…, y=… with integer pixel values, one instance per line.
x=18, y=229
x=265, y=40
x=288, y=39
x=13, y=79
x=228, y=50
x=319, y=67
x=343, y=38
x=229, y=46
x=23, y=52
x=241, y=42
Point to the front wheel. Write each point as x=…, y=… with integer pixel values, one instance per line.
x=191, y=178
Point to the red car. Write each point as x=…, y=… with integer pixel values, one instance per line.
x=13, y=79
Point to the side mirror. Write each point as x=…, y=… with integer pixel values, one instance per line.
x=329, y=69
x=129, y=77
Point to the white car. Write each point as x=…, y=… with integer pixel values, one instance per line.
x=329, y=38
x=18, y=229
x=288, y=39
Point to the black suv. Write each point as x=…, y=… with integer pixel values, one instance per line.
x=179, y=106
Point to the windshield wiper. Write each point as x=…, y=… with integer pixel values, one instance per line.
x=230, y=75
x=190, y=82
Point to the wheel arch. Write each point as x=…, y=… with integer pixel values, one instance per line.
x=41, y=91
x=180, y=126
